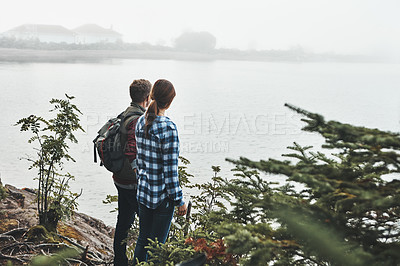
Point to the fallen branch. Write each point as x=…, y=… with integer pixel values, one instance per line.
x=96, y=256
x=28, y=245
x=71, y=241
x=17, y=252
x=6, y=257
x=52, y=245
x=16, y=231
x=7, y=237
x=77, y=261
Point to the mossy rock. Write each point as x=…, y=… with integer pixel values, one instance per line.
x=69, y=231
x=39, y=234
x=8, y=224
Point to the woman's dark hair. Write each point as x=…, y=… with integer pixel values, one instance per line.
x=162, y=94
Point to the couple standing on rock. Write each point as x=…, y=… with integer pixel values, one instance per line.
x=152, y=149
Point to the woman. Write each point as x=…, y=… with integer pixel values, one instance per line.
x=157, y=158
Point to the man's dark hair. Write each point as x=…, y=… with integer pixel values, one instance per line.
x=139, y=90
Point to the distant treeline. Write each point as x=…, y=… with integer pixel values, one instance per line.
x=186, y=42
x=190, y=44
x=37, y=45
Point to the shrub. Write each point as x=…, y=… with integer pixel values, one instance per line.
x=54, y=199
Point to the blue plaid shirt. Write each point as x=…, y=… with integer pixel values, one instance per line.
x=157, y=160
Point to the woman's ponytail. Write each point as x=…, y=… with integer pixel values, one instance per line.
x=150, y=116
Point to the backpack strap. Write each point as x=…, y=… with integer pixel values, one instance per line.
x=129, y=117
x=95, y=153
x=125, y=121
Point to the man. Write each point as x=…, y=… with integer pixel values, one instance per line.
x=125, y=180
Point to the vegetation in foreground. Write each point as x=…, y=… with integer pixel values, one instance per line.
x=54, y=199
x=338, y=207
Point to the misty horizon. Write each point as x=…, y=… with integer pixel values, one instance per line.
x=357, y=27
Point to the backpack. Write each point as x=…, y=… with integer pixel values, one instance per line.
x=109, y=142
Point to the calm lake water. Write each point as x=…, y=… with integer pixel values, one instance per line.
x=222, y=109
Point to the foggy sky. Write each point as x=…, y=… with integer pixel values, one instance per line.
x=342, y=26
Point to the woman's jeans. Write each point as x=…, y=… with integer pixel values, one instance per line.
x=153, y=223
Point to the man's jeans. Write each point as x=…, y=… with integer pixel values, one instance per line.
x=127, y=207
x=153, y=223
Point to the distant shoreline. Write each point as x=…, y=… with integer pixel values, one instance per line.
x=33, y=55
x=36, y=55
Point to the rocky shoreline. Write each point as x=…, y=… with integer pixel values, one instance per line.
x=18, y=214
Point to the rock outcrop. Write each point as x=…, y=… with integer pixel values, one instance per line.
x=18, y=211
